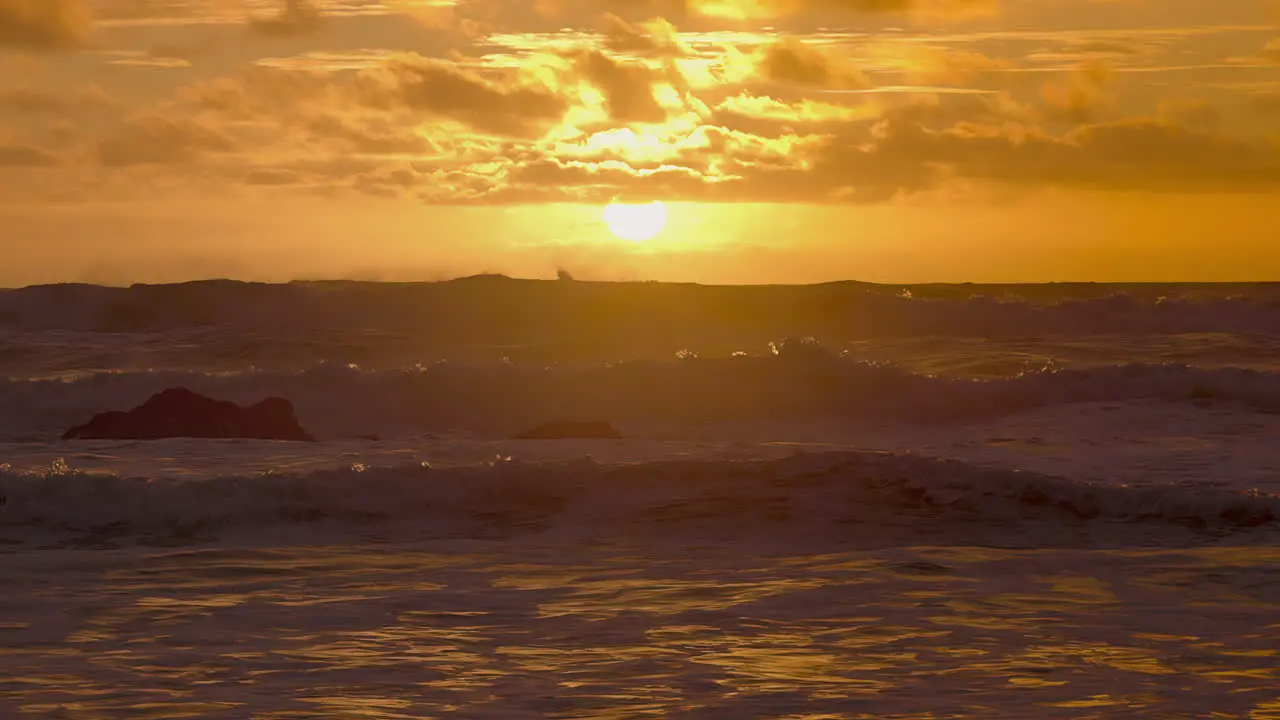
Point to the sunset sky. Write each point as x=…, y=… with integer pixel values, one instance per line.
x=790, y=140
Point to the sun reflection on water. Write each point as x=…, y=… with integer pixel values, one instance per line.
x=382, y=633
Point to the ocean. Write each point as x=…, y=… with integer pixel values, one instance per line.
x=830, y=501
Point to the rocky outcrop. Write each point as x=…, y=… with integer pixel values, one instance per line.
x=179, y=412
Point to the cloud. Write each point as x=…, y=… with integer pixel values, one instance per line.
x=369, y=135
x=1084, y=96
x=1271, y=51
x=391, y=181
x=445, y=90
x=37, y=106
x=44, y=24
x=157, y=139
x=1199, y=114
x=1267, y=103
x=642, y=109
x=759, y=112
x=653, y=37
x=929, y=65
x=794, y=62
x=141, y=58
x=1133, y=154
x=297, y=17
x=25, y=156
x=402, y=90
x=894, y=157
x=20, y=100
x=272, y=177
x=627, y=87
x=477, y=17
x=596, y=180
x=1159, y=154
x=767, y=9
x=1107, y=47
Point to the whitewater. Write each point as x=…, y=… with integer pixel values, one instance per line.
x=833, y=501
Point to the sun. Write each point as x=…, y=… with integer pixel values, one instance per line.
x=636, y=222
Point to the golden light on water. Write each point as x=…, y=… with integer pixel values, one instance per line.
x=1106, y=634
x=636, y=222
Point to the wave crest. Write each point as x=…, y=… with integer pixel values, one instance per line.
x=832, y=495
x=800, y=378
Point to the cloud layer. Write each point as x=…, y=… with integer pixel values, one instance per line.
x=627, y=102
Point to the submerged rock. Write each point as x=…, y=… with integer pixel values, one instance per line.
x=179, y=412
x=570, y=429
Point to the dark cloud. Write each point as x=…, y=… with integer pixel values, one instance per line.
x=791, y=61
x=44, y=24
x=1135, y=154
x=13, y=156
x=27, y=101
x=445, y=90
x=391, y=181
x=378, y=135
x=154, y=138
x=1267, y=103
x=41, y=104
x=378, y=109
x=627, y=87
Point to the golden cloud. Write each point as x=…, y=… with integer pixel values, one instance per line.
x=589, y=116
x=763, y=9
x=296, y=17
x=653, y=37
x=1083, y=96
x=772, y=9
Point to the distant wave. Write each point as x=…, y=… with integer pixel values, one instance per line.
x=529, y=310
x=802, y=378
x=827, y=495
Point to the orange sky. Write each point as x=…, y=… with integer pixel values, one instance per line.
x=792, y=140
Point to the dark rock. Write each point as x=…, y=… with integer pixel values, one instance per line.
x=179, y=412
x=567, y=429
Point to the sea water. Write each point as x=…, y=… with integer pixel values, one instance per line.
x=978, y=502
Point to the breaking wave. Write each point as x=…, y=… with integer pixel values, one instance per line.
x=834, y=496
x=800, y=378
